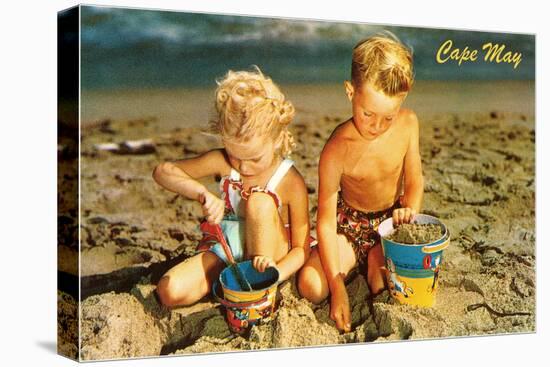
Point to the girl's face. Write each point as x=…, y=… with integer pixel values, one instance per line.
x=373, y=111
x=250, y=158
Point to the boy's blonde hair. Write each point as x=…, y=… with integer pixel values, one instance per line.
x=248, y=105
x=385, y=62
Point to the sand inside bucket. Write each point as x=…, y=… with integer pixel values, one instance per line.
x=412, y=233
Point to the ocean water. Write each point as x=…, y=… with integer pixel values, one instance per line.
x=136, y=48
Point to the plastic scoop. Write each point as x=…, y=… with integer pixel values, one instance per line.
x=241, y=279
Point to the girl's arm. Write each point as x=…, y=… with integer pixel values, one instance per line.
x=298, y=210
x=181, y=176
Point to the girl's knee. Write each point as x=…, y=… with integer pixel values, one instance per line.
x=311, y=286
x=163, y=291
x=260, y=203
x=168, y=294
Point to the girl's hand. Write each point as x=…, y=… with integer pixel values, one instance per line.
x=212, y=207
x=261, y=263
x=403, y=215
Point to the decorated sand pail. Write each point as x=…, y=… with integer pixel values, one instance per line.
x=412, y=270
x=247, y=308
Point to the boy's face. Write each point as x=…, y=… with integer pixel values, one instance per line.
x=252, y=157
x=373, y=111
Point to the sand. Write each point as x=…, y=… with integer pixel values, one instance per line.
x=478, y=161
x=412, y=233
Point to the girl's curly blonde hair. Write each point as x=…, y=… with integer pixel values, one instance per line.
x=248, y=105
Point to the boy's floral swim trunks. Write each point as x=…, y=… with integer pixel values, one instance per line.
x=360, y=228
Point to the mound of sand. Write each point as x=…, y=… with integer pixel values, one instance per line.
x=412, y=233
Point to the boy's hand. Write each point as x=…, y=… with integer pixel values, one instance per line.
x=339, y=308
x=403, y=215
x=261, y=263
x=212, y=207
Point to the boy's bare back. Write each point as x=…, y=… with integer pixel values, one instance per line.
x=372, y=170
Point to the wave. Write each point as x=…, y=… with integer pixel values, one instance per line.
x=137, y=47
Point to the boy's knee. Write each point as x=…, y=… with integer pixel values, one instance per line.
x=376, y=274
x=310, y=285
x=375, y=280
x=260, y=203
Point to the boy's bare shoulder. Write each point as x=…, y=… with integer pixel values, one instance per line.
x=337, y=143
x=408, y=118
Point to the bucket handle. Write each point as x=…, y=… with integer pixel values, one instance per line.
x=439, y=247
x=226, y=303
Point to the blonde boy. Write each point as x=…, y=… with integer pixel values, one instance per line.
x=369, y=170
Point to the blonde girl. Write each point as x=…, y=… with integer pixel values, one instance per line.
x=262, y=205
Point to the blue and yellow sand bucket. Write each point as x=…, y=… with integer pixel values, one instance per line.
x=247, y=308
x=412, y=270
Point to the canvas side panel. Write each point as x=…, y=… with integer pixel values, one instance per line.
x=67, y=182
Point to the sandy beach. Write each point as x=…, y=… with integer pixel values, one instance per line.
x=478, y=153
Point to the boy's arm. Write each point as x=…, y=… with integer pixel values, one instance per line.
x=330, y=172
x=180, y=176
x=299, y=225
x=414, y=181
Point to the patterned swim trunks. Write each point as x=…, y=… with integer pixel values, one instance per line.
x=360, y=228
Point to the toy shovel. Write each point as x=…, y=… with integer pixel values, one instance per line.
x=241, y=279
